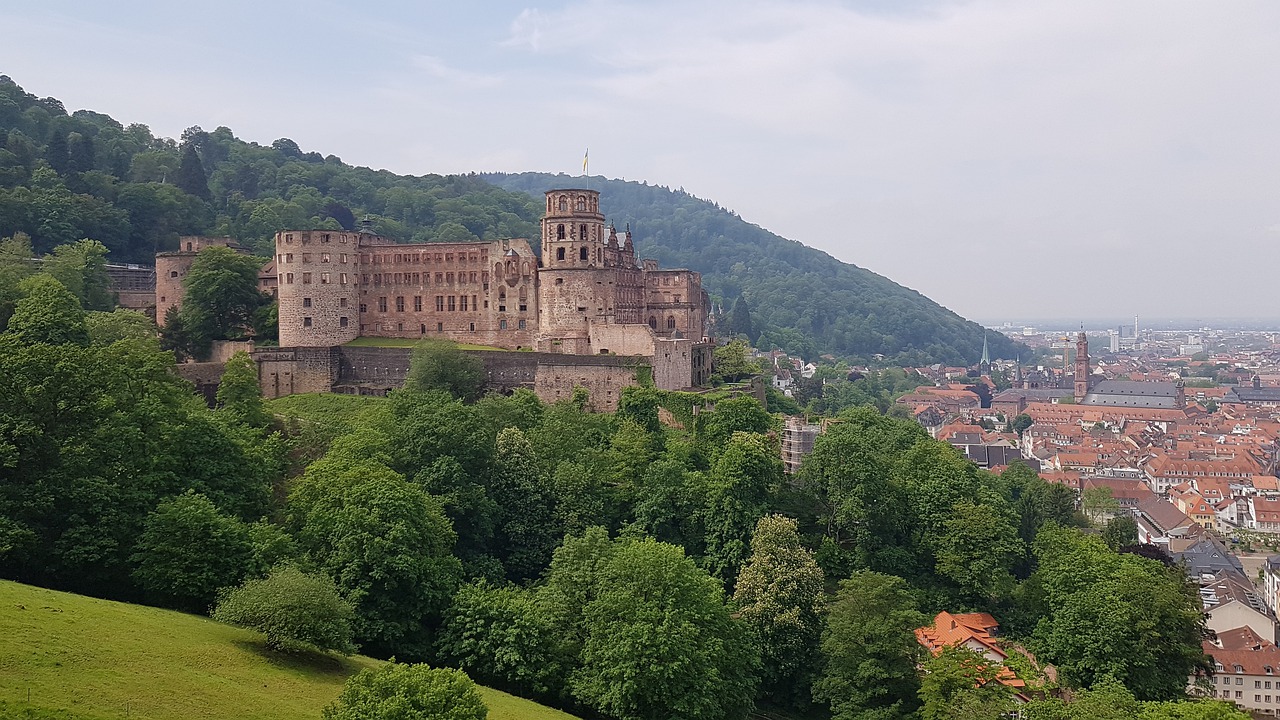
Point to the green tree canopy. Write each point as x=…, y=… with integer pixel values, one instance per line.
x=188, y=551
x=295, y=610
x=408, y=692
x=221, y=296
x=441, y=365
x=47, y=313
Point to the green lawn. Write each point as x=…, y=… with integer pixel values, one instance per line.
x=409, y=342
x=80, y=658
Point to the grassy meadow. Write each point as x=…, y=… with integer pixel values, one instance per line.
x=81, y=658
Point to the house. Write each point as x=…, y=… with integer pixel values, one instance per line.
x=1159, y=522
x=1230, y=601
x=977, y=632
x=1245, y=668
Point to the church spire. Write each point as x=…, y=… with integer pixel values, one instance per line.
x=986, y=350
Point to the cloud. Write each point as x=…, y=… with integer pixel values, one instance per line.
x=437, y=68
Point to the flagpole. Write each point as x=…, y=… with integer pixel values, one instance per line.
x=586, y=176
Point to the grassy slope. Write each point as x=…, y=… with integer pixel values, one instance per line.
x=87, y=659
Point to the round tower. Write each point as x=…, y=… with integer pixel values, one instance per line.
x=318, y=287
x=573, y=288
x=573, y=232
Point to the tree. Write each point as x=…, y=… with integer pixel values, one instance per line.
x=385, y=542
x=188, y=551
x=106, y=328
x=1098, y=505
x=1021, y=423
x=499, y=636
x=1121, y=531
x=526, y=531
x=408, y=692
x=779, y=597
x=221, y=295
x=739, y=414
x=82, y=268
x=441, y=365
x=730, y=362
x=190, y=177
x=1118, y=616
x=977, y=548
x=740, y=322
x=869, y=650
x=239, y=392
x=744, y=475
x=47, y=313
x=15, y=265
x=295, y=610
x=659, y=641
x=960, y=684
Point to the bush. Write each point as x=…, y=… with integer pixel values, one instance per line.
x=295, y=610
x=408, y=692
x=188, y=551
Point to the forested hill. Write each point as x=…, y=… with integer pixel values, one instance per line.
x=801, y=299
x=67, y=176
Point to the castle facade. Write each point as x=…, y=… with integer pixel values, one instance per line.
x=586, y=294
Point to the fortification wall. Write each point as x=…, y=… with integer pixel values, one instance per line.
x=289, y=371
x=612, y=338
x=604, y=382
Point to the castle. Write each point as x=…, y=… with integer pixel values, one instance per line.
x=587, y=296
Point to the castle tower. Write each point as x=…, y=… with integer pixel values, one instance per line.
x=318, y=274
x=572, y=287
x=1082, y=367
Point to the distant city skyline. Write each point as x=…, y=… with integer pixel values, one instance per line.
x=1065, y=159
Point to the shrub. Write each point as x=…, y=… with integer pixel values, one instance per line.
x=295, y=610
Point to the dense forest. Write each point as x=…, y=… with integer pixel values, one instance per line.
x=71, y=176
x=614, y=565
x=801, y=299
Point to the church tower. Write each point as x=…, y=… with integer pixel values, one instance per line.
x=1082, y=367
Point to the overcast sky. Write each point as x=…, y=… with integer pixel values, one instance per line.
x=1007, y=158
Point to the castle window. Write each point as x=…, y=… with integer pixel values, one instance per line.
x=324, y=238
x=582, y=231
x=453, y=303
x=324, y=278
x=448, y=277
x=521, y=324
x=462, y=303
x=188, y=247
x=342, y=258
x=364, y=308
x=502, y=324
x=560, y=231
x=559, y=253
x=306, y=302
x=306, y=322
x=559, y=281
x=473, y=278
x=288, y=278
x=439, y=277
x=324, y=257
x=582, y=253
x=288, y=257
x=671, y=323
x=306, y=278
x=439, y=327
x=475, y=305
x=417, y=303
x=502, y=301
x=342, y=302
x=400, y=304
x=448, y=257
x=399, y=327
x=473, y=327
x=439, y=303
x=564, y=205
x=382, y=304
x=523, y=307
x=417, y=279
x=342, y=322
x=581, y=204
x=306, y=257
x=343, y=278
x=173, y=273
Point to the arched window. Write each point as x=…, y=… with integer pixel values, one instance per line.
x=582, y=253
x=671, y=322
x=560, y=231
x=582, y=231
x=653, y=322
x=559, y=253
x=564, y=204
x=582, y=204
